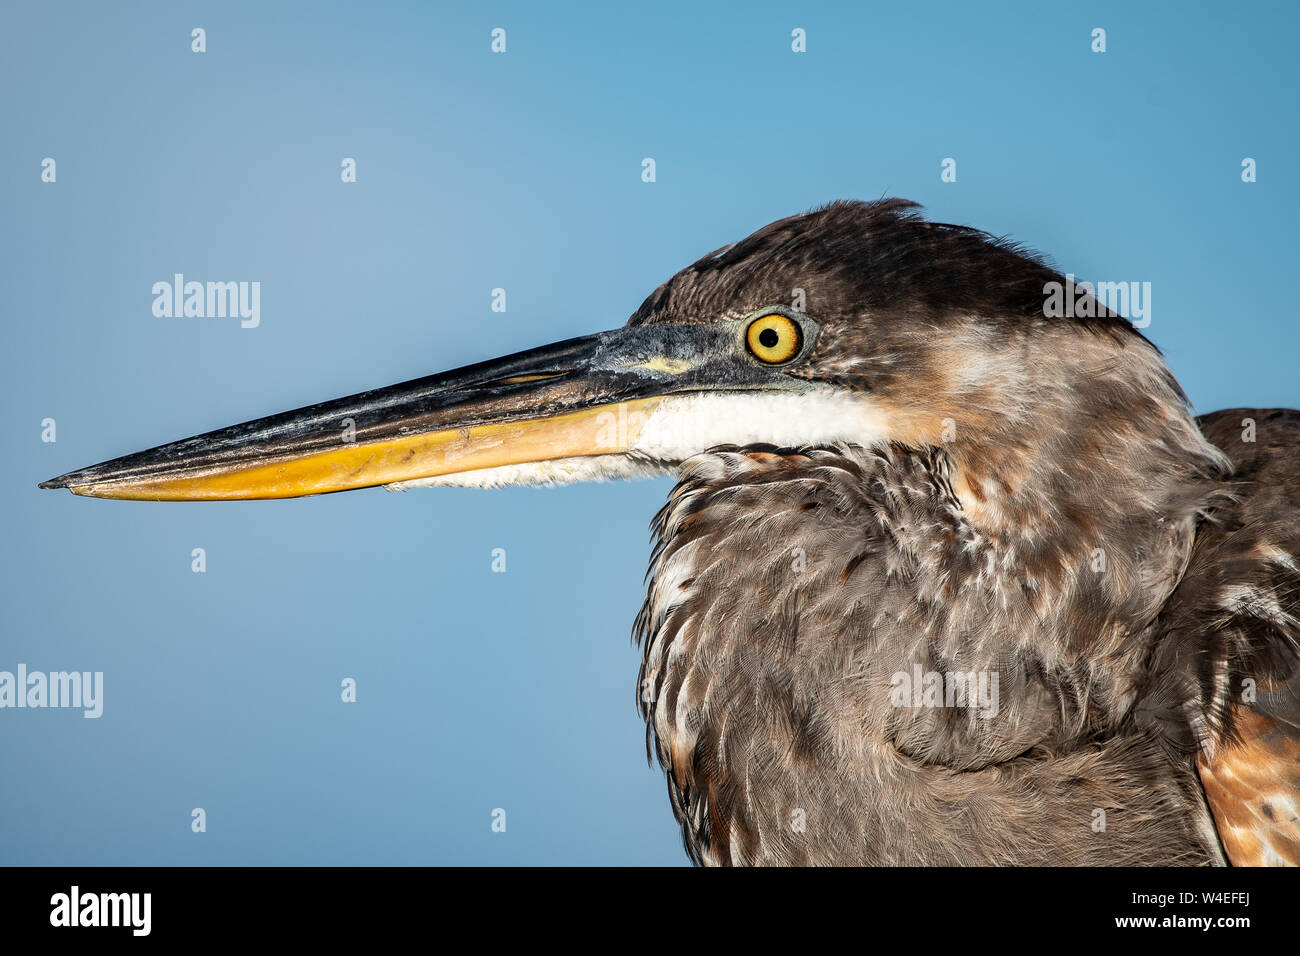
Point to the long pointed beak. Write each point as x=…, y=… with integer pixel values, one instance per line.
x=543, y=404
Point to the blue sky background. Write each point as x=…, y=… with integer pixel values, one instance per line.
x=479, y=690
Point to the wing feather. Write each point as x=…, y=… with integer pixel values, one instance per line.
x=1231, y=657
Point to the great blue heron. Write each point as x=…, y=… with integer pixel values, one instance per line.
x=944, y=579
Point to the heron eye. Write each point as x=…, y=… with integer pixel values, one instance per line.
x=774, y=338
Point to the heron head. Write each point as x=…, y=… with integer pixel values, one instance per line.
x=857, y=323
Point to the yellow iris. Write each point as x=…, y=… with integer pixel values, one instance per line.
x=774, y=338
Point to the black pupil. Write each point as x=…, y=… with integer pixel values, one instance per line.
x=768, y=338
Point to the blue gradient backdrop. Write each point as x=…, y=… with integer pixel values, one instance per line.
x=480, y=690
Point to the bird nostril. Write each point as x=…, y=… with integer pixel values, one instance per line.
x=518, y=380
x=768, y=338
